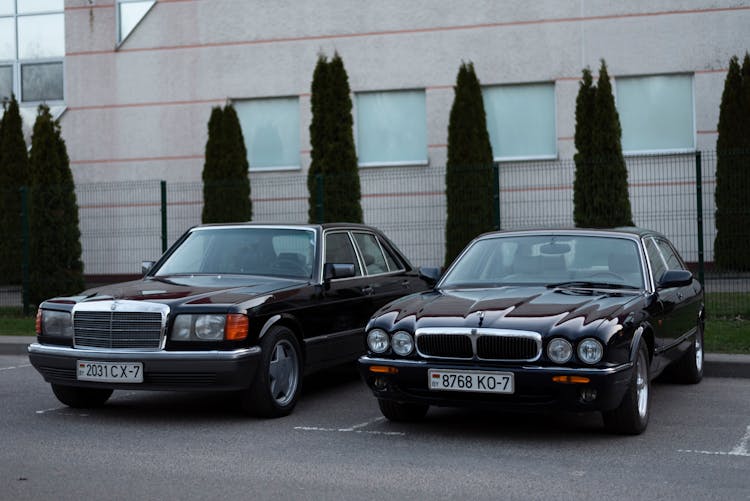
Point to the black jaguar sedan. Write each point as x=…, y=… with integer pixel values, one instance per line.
x=245, y=307
x=578, y=320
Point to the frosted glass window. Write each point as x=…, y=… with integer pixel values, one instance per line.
x=42, y=82
x=7, y=7
x=271, y=131
x=41, y=36
x=6, y=82
x=130, y=14
x=7, y=38
x=33, y=6
x=656, y=113
x=521, y=120
x=391, y=128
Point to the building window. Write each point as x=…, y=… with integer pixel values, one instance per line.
x=391, y=128
x=32, y=47
x=129, y=14
x=656, y=113
x=6, y=82
x=42, y=82
x=521, y=121
x=271, y=131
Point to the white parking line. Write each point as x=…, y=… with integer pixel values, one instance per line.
x=56, y=409
x=14, y=367
x=739, y=450
x=357, y=428
x=362, y=425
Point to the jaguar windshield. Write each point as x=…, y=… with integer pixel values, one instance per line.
x=559, y=260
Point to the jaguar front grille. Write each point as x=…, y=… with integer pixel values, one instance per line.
x=479, y=344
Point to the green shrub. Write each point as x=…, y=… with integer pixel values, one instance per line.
x=55, y=238
x=13, y=175
x=226, y=186
x=469, y=180
x=733, y=170
x=333, y=178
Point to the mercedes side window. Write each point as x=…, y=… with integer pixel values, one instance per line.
x=371, y=253
x=339, y=250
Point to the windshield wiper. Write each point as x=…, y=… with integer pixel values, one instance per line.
x=590, y=285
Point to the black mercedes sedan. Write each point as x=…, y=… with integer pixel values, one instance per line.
x=578, y=320
x=244, y=307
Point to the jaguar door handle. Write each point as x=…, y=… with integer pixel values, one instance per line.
x=368, y=290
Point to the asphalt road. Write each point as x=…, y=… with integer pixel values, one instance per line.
x=335, y=445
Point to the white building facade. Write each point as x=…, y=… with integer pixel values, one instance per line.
x=140, y=79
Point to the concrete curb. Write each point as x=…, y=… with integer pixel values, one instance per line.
x=715, y=364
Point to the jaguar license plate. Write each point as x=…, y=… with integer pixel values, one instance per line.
x=474, y=381
x=110, y=372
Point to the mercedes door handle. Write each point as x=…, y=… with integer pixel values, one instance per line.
x=368, y=291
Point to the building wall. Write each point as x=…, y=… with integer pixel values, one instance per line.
x=140, y=112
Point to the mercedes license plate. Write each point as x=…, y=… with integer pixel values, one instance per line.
x=474, y=381
x=110, y=372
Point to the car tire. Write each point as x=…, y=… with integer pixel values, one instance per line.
x=402, y=411
x=689, y=369
x=276, y=386
x=631, y=416
x=81, y=398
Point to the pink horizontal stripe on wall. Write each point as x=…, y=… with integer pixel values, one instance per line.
x=145, y=105
x=417, y=30
x=140, y=159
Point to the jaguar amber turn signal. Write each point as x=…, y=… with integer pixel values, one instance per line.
x=236, y=328
x=383, y=369
x=571, y=379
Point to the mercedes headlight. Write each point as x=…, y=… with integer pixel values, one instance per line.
x=198, y=328
x=56, y=323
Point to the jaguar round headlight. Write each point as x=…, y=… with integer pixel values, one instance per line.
x=559, y=350
x=377, y=341
x=402, y=343
x=590, y=351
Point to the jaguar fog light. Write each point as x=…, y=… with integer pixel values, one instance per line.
x=559, y=350
x=590, y=351
x=377, y=341
x=403, y=343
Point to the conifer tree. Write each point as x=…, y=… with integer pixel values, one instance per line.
x=610, y=202
x=733, y=170
x=333, y=172
x=55, y=237
x=226, y=186
x=582, y=189
x=468, y=179
x=13, y=176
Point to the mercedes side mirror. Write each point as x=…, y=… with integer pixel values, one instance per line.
x=337, y=270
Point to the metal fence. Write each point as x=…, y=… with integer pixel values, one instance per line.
x=125, y=223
